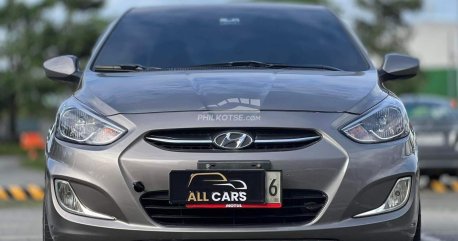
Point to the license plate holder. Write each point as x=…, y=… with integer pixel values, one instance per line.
x=225, y=188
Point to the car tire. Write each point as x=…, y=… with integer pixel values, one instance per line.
x=46, y=233
x=417, y=236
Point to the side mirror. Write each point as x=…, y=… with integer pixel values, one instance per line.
x=398, y=66
x=63, y=68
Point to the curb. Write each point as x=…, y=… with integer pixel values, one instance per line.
x=21, y=193
x=441, y=187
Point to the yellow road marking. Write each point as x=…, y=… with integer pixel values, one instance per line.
x=3, y=195
x=35, y=192
x=455, y=186
x=438, y=186
x=17, y=193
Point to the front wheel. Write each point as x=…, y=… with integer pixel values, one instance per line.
x=417, y=236
x=46, y=232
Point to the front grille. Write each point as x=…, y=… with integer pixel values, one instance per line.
x=201, y=139
x=299, y=207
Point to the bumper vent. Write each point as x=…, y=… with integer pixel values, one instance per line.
x=201, y=139
x=299, y=207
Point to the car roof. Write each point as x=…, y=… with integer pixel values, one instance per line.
x=234, y=6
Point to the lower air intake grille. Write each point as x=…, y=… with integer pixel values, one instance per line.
x=299, y=207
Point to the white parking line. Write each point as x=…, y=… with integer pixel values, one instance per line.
x=426, y=237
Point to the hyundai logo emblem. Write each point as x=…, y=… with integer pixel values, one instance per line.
x=233, y=140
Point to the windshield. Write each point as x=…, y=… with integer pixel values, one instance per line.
x=193, y=36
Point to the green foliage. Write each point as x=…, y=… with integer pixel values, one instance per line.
x=83, y=4
x=10, y=149
x=13, y=149
x=31, y=36
x=407, y=86
x=327, y=3
x=37, y=164
x=385, y=29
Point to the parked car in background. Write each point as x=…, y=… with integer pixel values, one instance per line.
x=435, y=121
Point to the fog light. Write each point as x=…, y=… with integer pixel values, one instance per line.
x=67, y=197
x=68, y=200
x=396, y=200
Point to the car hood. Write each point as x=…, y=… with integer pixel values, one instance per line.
x=223, y=90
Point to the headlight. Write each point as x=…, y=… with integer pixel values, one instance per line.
x=81, y=126
x=386, y=123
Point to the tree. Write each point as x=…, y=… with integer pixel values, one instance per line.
x=385, y=29
x=320, y=2
x=17, y=21
x=31, y=37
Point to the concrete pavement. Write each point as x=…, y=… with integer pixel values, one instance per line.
x=12, y=173
x=21, y=223
x=440, y=216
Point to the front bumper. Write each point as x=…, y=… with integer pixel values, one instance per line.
x=398, y=225
x=354, y=176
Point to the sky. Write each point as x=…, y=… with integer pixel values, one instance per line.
x=433, y=10
x=438, y=10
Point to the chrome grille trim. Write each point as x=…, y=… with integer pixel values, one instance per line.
x=201, y=139
x=289, y=140
x=178, y=141
x=209, y=141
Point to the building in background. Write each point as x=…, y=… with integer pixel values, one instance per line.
x=436, y=45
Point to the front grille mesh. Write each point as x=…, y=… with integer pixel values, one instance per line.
x=259, y=135
x=299, y=207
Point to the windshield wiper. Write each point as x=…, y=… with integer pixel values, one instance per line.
x=258, y=64
x=123, y=68
x=248, y=63
x=317, y=66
